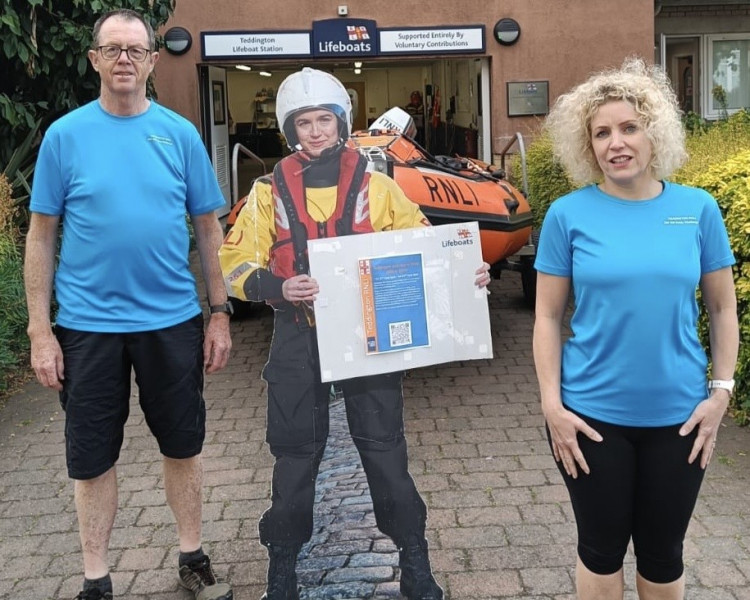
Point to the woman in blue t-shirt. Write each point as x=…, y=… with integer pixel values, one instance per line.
x=632, y=420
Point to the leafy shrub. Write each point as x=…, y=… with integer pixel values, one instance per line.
x=714, y=144
x=13, y=316
x=547, y=178
x=729, y=183
x=45, y=71
x=695, y=124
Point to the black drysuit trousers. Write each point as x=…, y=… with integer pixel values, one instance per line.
x=297, y=429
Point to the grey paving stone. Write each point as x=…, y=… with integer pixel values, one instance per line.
x=499, y=524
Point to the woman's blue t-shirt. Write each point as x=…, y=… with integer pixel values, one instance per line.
x=634, y=357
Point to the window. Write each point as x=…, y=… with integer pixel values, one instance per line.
x=728, y=62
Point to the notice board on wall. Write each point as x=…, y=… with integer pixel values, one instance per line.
x=528, y=98
x=397, y=300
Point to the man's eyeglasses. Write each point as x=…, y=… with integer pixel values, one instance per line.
x=134, y=53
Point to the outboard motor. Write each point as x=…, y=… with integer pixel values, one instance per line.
x=395, y=119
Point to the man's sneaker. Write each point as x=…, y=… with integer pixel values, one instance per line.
x=417, y=582
x=94, y=594
x=282, y=577
x=199, y=578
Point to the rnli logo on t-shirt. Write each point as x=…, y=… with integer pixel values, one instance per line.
x=159, y=139
x=689, y=220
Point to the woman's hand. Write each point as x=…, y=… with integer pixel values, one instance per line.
x=483, y=276
x=300, y=288
x=707, y=416
x=564, y=427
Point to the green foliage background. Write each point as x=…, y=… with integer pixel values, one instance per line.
x=13, y=341
x=719, y=163
x=44, y=70
x=729, y=182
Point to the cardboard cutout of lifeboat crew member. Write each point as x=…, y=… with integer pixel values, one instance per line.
x=323, y=189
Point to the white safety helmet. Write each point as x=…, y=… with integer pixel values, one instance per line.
x=312, y=89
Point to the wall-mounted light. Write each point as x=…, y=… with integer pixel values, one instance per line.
x=243, y=67
x=177, y=40
x=357, y=71
x=358, y=65
x=507, y=31
x=264, y=73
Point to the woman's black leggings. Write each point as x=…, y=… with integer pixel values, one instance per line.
x=640, y=486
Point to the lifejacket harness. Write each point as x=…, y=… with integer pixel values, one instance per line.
x=288, y=187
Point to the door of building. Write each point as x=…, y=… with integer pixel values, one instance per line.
x=681, y=59
x=356, y=91
x=215, y=120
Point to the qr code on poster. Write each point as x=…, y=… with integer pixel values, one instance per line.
x=400, y=333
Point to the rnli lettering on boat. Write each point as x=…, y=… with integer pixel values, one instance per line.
x=450, y=191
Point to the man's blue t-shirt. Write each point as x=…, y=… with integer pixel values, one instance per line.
x=123, y=186
x=634, y=357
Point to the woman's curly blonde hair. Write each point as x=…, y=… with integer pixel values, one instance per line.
x=647, y=89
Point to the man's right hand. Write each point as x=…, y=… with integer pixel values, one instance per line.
x=47, y=360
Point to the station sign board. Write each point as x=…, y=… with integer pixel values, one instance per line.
x=255, y=44
x=350, y=38
x=344, y=38
x=432, y=40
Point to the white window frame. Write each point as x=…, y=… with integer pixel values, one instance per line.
x=709, y=110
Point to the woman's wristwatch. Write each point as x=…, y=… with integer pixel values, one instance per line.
x=722, y=384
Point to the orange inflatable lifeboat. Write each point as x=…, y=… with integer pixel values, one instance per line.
x=449, y=190
x=453, y=189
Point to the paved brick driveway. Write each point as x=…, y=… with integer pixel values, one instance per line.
x=500, y=525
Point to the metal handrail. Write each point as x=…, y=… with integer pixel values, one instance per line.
x=522, y=149
x=235, y=156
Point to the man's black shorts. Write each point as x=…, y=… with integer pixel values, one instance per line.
x=168, y=366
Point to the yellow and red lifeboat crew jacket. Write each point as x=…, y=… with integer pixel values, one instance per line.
x=295, y=225
x=245, y=254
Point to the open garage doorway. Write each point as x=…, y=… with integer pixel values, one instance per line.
x=448, y=98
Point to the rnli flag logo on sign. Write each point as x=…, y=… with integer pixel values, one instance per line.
x=357, y=32
x=350, y=37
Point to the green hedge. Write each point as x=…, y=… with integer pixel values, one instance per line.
x=720, y=164
x=14, y=345
x=729, y=183
x=13, y=341
x=547, y=178
x=713, y=144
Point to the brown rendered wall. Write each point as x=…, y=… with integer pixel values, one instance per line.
x=561, y=40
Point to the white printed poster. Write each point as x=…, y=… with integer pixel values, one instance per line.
x=398, y=300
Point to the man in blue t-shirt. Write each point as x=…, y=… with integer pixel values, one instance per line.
x=121, y=173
